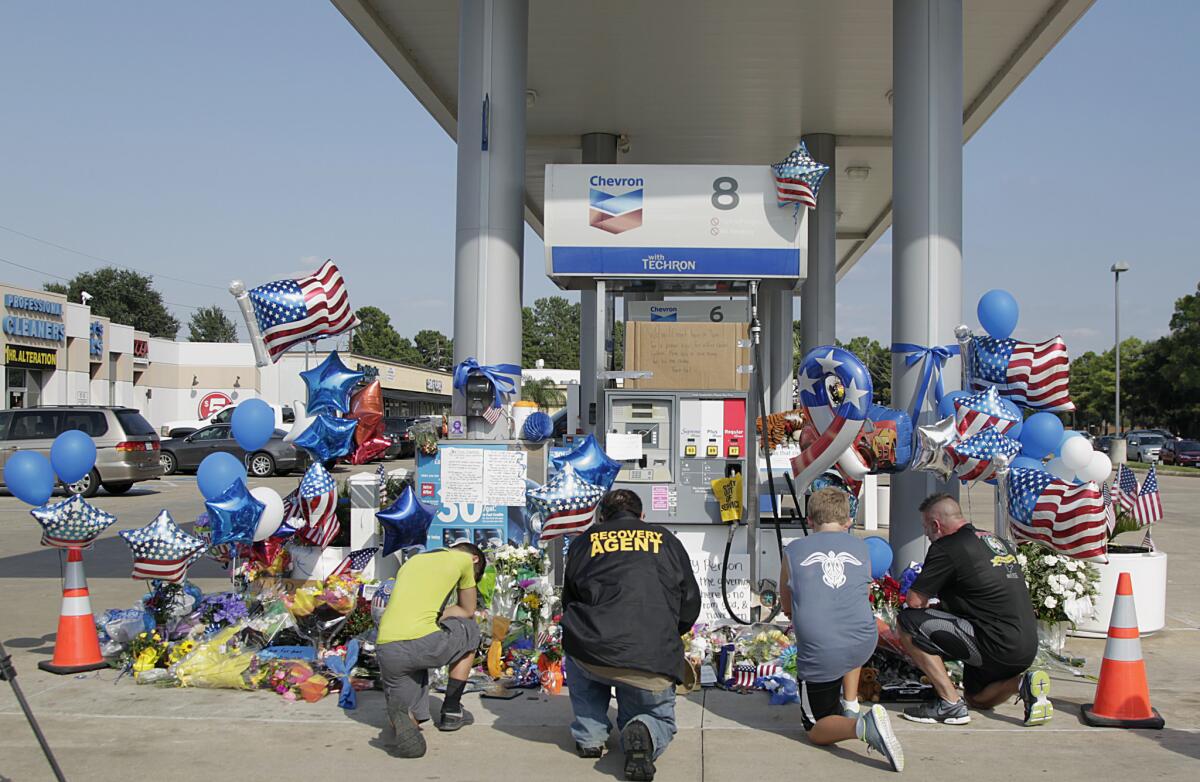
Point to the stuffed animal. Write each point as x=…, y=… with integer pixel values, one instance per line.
x=869, y=688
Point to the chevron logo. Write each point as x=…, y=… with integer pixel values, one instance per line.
x=615, y=213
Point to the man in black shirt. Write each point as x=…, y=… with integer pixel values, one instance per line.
x=985, y=620
x=628, y=596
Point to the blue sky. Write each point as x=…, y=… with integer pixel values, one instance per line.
x=206, y=141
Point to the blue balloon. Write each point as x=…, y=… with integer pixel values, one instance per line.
x=29, y=477
x=591, y=463
x=329, y=385
x=253, y=424
x=1027, y=463
x=405, y=523
x=73, y=454
x=233, y=514
x=946, y=406
x=217, y=472
x=328, y=437
x=1040, y=435
x=538, y=427
x=998, y=313
x=881, y=556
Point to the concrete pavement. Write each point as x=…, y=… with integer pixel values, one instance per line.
x=106, y=731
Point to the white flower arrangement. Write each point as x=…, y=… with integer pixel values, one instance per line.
x=1060, y=588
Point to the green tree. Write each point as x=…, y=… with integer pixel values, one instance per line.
x=375, y=337
x=1170, y=379
x=211, y=324
x=435, y=348
x=123, y=297
x=551, y=333
x=878, y=361
x=1093, y=380
x=542, y=392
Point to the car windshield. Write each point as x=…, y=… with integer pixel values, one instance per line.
x=133, y=423
x=1150, y=439
x=1188, y=445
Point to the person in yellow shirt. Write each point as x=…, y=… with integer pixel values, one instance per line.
x=420, y=631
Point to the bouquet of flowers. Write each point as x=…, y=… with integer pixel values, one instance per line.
x=146, y=652
x=1061, y=588
x=521, y=561
x=221, y=609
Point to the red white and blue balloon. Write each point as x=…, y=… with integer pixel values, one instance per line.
x=566, y=503
x=982, y=410
x=72, y=523
x=974, y=457
x=836, y=393
x=161, y=550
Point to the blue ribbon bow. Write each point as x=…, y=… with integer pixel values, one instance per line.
x=935, y=359
x=341, y=667
x=497, y=373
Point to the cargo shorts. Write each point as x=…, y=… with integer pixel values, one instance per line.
x=404, y=665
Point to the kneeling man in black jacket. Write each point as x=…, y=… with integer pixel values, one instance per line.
x=628, y=596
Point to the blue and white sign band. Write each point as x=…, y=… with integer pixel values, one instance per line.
x=675, y=262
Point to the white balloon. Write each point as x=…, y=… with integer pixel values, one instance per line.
x=1098, y=468
x=303, y=421
x=1058, y=469
x=272, y=515
x=1076, y=453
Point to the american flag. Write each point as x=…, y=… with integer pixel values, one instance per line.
x=1065, y=517
x=161, y=550
x=973, y=456
x=1110, y=510
x=318, y=498
x=567, y=503
x=72, y=523
x=292, y=311
x=1034, y=376
x=980, y=410
x=354, y=562
x=492, y=415
x=747, y=675
x=293, y=512
x=798, y=178
x=1144, y=504
x=382, y=476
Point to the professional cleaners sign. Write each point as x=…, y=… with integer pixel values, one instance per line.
x=668, y=222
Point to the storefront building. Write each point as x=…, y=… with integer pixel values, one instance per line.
x=56, y=352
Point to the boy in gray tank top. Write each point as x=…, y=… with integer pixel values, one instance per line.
x=824, y=584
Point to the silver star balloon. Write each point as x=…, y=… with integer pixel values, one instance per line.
x=931, y=453
x=71, y=523
x=161, y=550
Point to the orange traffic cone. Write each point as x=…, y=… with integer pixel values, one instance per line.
x=77, y=648
x=1122, y=695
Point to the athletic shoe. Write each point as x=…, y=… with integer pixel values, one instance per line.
x=407, y=739
x=854, y=713
x=639, y=751
x=939, y=711
x=877, y=732
x=589, y=752
x=1035, y=693
x=452, y=721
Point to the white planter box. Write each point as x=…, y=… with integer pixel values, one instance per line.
x=1149, y=574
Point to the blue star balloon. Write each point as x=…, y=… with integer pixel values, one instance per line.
x=329, y=385
x=71, y=523
x=405, y=523
x=161, y=550
x=591, y=463
x=328, y=437
x=233, y=515
x=567, y=503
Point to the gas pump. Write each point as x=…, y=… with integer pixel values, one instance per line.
x=683, y=232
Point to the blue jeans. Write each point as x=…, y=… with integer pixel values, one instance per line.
x=590, y=695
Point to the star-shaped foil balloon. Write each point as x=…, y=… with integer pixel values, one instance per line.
x=161, y=550
x=590, y=462
x=932, y=452
x=328, y=437
x=567, y=503
x=329, y=385
x=405, y=523
x=233, y=515
x=71, y=523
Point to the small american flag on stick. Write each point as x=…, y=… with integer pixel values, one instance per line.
x=354, y=562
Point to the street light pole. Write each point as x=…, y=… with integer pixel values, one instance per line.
x=1117, y=450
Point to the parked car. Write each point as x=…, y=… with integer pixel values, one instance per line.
x=185, y=453
x=1103, y=443
x=284, y=418
x=1143, y=447
x=1185, y=453
x=404, y=430
x=126, y=445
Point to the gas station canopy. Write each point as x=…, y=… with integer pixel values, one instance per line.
x=718, y=82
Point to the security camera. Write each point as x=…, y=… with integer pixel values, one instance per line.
x=85, y=297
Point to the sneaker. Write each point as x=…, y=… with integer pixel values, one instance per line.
x=407, y=740
x=589, y=752
x=452, y=721
x=852, y=713
x=877, y=732
x=939, y=710
x=639, y=751
x=1035, y=693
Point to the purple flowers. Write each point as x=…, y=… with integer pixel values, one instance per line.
x=222, y=609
